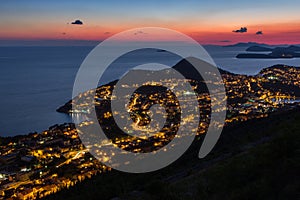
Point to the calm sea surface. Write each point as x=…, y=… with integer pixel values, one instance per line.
x=34, y=81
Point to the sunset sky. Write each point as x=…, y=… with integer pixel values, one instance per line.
x=209, y=22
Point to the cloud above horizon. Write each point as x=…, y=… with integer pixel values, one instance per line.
x=139, y=32
x=224, y=41
x=241, y=30
x=77, y=22
x=259, y=33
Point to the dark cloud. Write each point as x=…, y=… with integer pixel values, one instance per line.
x=259, y=33
x=63, y=33
x=241, y=30
x=225, y=41
x=77, y=22
x=139, y=32
x=106, y=33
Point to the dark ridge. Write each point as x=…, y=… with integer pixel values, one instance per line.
x=246, y=44
x=258, y=48
x=278, y=52
x=189, y=72
x=254, y=55
x=293, y=48
x=279, y=66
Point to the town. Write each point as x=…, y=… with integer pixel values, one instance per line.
x=40, y=164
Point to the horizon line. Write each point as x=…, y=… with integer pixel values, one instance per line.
x=82, y=42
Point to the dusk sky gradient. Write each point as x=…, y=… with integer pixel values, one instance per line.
x=209, y=22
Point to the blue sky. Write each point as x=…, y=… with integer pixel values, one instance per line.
x=33, y=19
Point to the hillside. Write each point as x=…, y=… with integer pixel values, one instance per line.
x=257, y=159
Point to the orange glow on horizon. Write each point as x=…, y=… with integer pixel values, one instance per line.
x=276, y=33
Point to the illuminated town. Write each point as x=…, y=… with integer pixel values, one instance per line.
x=41, y=164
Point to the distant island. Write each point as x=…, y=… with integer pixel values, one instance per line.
x=246, y=44
x=258, y=48
x=278, y=52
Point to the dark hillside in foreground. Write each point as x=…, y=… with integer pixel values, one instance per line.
x=257, y=159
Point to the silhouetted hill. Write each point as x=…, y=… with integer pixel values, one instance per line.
x=278, y=52
x=189, y=72
x=293, y=48
x=254, y=55
x=247, y=44
x=183, y=67
x=284, y=52
x=258, y=48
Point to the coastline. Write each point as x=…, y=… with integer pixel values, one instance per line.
x=57, y=158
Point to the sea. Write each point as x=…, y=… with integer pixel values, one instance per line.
x=36, y=80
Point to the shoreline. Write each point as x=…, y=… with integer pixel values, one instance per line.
x=64, y=109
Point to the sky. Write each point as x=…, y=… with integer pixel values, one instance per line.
x=208, y=22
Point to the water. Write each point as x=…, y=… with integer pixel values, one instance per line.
x=224, y=57
x=35, y=81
